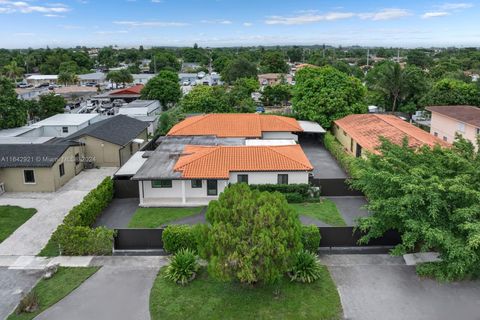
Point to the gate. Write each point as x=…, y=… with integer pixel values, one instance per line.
x=138, y=239
x=346, y=237
x=335, y=188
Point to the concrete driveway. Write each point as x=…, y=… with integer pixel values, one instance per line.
x=325, y=165
x=13, y=284
x=118, y=214
x=383, y=287
x=351, y=208
x=120, y=293
x=34, y=234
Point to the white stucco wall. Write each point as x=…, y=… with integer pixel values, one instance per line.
x=294, y=177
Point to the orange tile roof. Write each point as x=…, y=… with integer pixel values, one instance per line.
x=132, y=90
x=366, y=129
x=216, y=162
x=224, y=125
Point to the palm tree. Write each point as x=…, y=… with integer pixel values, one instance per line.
x=67, y=78
x=120, y=76
x=12, y=70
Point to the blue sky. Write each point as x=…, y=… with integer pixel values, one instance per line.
x=65, y=23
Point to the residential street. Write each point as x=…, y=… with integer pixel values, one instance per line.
x=34, y=234
x=382, y=287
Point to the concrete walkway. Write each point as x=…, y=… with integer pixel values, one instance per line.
x=33, y=235
x=383, y=287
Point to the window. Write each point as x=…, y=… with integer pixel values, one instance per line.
x=65, y=129
x=344, y=133
x=197, y=183
x=435, y=134
x=212, y=187
x=242, y=178
x=478, y=130
x=351, y=144
x=461, y=127
x=445, y=138
x=282, y=179
x=161, y=183
x=61, y=168
x=29, y=176
x=77, y=159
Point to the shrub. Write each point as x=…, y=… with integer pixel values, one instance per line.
x=295, y=193
x=183, y=267
x=80, y=241
x=29, y=303
x=311, y=238
x=306, y=268
x=177, y=237
x=347, y=161
x=253, y=235
x=85, y=213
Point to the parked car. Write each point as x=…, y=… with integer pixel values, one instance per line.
x=43, y=85
x=91, y=84
x=186, y=83
x=260, y=109
x=24, y=85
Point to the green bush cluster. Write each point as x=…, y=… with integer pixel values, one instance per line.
x=86, y=213
x=82, y=241
x=75, y=236
x=183, y=267
x=306, y=268
x=178, y=237
x=311, y=238
x=294, y=193
x=347, y=161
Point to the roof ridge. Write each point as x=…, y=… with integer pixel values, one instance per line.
x=214, y=148
x=200, y=117
x=285, y=156
x=283, y=119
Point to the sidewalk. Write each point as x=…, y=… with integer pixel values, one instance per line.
x=40, y=263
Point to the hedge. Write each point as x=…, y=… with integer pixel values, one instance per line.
x=75, y=236
x=311, y=238
x=85, y=214
x=295, y=193
x=81, y=241
x=347, y=161
x=176, y=237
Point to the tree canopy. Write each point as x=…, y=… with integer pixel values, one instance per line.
x=273, y=62
x=325, y=94
x=432, y=197
x=253, y=236
x=50, y=104
x=120, y=76
x=164, y=87
x=13, y=111
x=453, y=92
x=206, y=99
x=238, y=68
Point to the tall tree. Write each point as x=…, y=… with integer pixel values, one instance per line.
x=164, y=87
x=120, y=76
x=12, y=70
x=326, y=94
x=50, y=104
x=239, y=68
x=273, y=62
x=206, y=99
x=13, y=111
x=164, y=61
x=453, y=92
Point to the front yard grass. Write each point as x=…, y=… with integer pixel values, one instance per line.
x=50, y=250
x=12, y=217
x=206, y=298
x=325, y=211
x=50, y=291
x=156, y=217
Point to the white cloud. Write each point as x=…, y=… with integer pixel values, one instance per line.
x=219, y=21
x=455, y=6
x=157, y=1
x=308, y=18
x=247, y=24
x=111, y=32
x=151, y=23
x=8, y=6
x=435, y=14
x=385, y=14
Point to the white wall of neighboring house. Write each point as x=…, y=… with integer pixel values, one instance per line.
x=279, y=135
x=151, y=197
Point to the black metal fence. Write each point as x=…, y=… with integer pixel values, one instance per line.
x=151, y=239
x=138, y=239
x=126, y=188
x=335, y=187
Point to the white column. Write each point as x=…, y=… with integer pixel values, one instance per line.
x=140, y=186
x=184, y=200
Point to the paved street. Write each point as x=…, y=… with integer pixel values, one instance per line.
x=382, y=287
x=34, y=234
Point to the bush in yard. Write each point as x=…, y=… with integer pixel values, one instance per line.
x=81, y=241
x=177, y=237
x=306, y=267
x=85, y=213
x=183, y=267
x=295, y=193
x=311, y=238
x=253, y=236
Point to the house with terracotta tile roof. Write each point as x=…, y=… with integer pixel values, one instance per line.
x=361, y=132
x=238, y=125
x=128, y=94
x=450, y=120
x=192, y=175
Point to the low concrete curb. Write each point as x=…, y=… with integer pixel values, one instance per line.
x=412, y=259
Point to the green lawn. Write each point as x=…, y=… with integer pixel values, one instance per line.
x=206, y=298
x=56, y=288
x=50, y=250
x=325, y=211
x=156, y=217
x=11, y=218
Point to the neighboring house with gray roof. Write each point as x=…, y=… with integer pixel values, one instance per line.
x=38, y=167
x=111, y=142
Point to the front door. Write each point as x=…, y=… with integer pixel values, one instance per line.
x=212, y=188
x=359, y=151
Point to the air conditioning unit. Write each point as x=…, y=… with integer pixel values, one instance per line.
x=88, y=165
